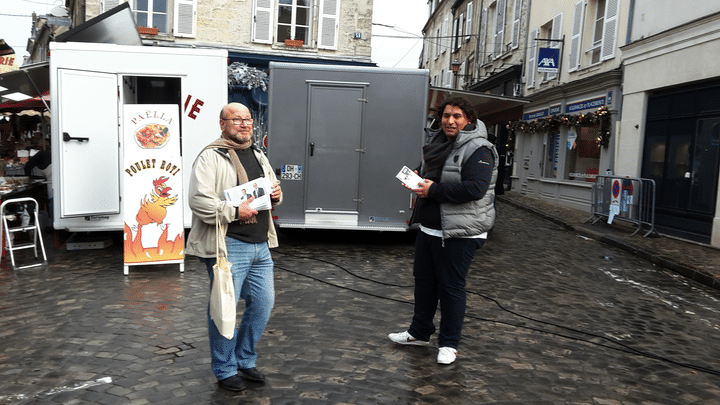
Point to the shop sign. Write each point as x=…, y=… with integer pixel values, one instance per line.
x=535, y=115
x=8, y=60
x=585, y=105
x=555, y=109
x=548, y=60
x=52, y=20
x=152, y=184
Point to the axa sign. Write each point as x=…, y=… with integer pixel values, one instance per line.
x=548, y=60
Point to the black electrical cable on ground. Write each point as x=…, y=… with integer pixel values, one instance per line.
x=623, y=347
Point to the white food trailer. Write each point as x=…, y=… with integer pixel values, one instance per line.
x=90, y=84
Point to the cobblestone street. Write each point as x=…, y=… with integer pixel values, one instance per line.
x=553, y=317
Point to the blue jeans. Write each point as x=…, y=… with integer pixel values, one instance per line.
x=440, y=273
x=252, y=272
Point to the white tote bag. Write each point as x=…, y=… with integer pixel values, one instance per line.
x=222, y=294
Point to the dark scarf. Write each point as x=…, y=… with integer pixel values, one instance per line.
x=231, y=145
x=434, y=156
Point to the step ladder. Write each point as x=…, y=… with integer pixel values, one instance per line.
x=32, y=227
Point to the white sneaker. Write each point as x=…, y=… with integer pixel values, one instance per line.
x=447, y=355
x=404, y=338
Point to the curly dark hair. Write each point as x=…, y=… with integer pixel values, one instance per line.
x=459, y=102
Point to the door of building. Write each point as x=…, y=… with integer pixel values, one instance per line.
x=681, y=154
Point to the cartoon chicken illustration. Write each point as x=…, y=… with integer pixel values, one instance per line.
x=154, y=209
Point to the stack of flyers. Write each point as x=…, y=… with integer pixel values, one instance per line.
x=409, y=178
x=259, y=188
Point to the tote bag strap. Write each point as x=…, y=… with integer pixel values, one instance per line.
x=219, y=234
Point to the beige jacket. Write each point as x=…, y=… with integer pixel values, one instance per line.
x=212, y=173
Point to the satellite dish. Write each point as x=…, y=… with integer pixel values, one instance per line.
x=59, y=12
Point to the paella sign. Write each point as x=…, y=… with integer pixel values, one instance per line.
x=152, y=184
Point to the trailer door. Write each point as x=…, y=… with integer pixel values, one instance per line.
x=334, y=147
x=89, y=148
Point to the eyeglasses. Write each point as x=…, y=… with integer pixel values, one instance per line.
x=239, y=120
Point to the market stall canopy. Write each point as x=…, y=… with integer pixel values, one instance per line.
x=35, y=104
x=26, y=83
x=490, y=108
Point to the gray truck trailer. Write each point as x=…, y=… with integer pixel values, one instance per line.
x=337, y=136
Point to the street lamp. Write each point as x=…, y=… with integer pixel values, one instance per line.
x=456, y=66
x=456, y=69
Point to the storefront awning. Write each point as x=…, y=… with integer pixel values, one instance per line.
x=26, y=83
x=487, y=106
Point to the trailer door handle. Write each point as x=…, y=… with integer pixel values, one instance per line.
x=67, y=138
x=312, y=148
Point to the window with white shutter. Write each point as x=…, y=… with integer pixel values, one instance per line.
x=437, y=43
x=329, y=24
x=499, y=37
x=461, y=26
x=152, y=14
x=468, y=20
x=294, y=22
x=531, y=58
x=262, y=21
x=576, y=38
x=185, y=21
x=517, y=14
x=110, y=4
x=426, y=51
x=556, y=34
x=598, y=24
x=455, y=37
x=445, y=35
x=609, y=41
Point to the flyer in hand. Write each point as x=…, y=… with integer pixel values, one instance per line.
x=259, y=188
x=409, y=177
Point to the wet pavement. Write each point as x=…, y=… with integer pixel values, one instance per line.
x=559, y=312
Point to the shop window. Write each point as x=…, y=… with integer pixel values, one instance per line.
x=583, y=154
x=152, y=14
x=550, y=157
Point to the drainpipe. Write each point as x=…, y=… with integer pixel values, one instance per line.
x=527, y=36
x=476, y=70
x=631, y=15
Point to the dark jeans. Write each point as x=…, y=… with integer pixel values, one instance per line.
x=440, y=273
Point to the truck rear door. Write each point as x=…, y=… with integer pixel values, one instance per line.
x=89, y=156
x=334, y=147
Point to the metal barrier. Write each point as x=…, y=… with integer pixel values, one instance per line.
x=624, y=198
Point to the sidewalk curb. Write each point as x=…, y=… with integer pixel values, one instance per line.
x=684, y=270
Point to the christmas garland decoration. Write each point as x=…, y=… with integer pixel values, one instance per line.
x=600, y=117
x=247, y=76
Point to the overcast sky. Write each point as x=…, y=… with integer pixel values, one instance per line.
x=16, y=21
x=407, y=17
